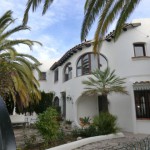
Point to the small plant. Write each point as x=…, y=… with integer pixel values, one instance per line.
x=48, y=125
x=68, y=122
x=86, y=132
x=29, y=141
x=85, y=121
x=105, y=123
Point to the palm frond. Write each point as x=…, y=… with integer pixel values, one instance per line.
x=34, y=4
x=98, y=34
x=92, y=10
x=103, y=83
x=127, y=10
x=47, y=5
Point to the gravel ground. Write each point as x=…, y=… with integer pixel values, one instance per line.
x=101, y=145
x=113, y=143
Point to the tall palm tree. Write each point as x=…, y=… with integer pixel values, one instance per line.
x=16, y=76
x=106, y=11
x=17, y=79
x=104, y=83
x=34, y=4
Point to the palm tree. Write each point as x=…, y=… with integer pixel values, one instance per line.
x=104, y=83
x=16, y=76
x=17, y=79
x=34, y=4
x=106, y=11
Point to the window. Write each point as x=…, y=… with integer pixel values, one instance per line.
x=67, y=72
x=139, y=49
x=56, y=75
x=142, y=103
x=42, y=76
x=90, y=62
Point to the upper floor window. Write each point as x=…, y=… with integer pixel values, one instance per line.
x=67, y=72
x=42, y=76
x=89, y=62
x=56, y=73
x=139, y=49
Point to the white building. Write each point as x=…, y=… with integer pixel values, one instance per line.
x=129, y=56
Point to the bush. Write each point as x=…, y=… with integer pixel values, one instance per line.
x=105, y=123
x=86, y=132
x=48, y=125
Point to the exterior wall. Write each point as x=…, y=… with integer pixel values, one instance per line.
x=87, y=106
x=120, y=58
x=119, y=55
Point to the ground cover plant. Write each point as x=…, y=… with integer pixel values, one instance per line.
x=103, y=124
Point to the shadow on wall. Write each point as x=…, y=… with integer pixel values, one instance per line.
x=87, y=106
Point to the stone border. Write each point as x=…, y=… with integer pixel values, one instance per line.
x=86, y=141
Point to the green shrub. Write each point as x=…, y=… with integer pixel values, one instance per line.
x=86, y=132
x=105, y=123
x=48, y=125
x=68, y=122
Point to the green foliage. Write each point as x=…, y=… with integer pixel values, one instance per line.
x=85, y=132
x=34, y=4
x=9, y=104
x=106, y=12
x=105, y=123
x=48, y=125
x=104, y=83
x=45, y=102
x=16, y=69
x=68, y=122
x=29, y=141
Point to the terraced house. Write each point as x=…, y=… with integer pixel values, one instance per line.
x=129, y=56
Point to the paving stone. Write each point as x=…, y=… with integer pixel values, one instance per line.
x=109, y=144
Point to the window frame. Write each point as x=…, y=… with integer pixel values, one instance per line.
x=56, y=75
x=140, y=44
x=90, y=69
x=42, y=76
x=142, y=104
x=64, y=72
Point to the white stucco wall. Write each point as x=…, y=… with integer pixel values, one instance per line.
x=87, y=106
x=119, y=55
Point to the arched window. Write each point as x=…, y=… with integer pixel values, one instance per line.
x=56, y=101
x=67, y=72
x=89, y=62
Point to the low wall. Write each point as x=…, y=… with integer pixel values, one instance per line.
x=86, y=141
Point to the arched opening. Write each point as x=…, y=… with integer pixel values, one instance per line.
x=56, y=101
x=67, y=72
x=89, y=62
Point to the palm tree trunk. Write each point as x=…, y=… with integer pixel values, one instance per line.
x=105, y=103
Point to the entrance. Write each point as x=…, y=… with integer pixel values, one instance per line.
x=64, y=104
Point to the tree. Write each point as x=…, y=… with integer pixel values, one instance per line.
x=106, y=11
x=104, y=83
x=34, y=4
x=16, y=76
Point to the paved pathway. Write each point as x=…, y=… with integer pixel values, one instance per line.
x=109, y=144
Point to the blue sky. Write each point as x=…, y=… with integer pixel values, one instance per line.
x=59, y=29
